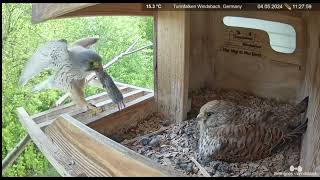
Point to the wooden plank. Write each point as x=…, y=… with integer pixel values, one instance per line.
x=55, y=156
x=111, y=9
x=109, y=107
x=173, y=63
x=155, y=54
x=202, y=49
x=88, y=116
x=70, y=107
x=95, y=153
x=135, y=92
x=296, y=22
x=310, y=156
x=116, y=123
x=15, y=152
x=45, y=11
x=134, y=87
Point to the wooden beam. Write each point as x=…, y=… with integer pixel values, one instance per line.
x=116, y=123
x=134, y=87
x=111, y=9
x=108, y=106
x=15, y=152
x=71, y=106
x=55, y=156
x=99, y=155
x=46, y=11
x=88, y=116
x=310, y=156
x=172, y=63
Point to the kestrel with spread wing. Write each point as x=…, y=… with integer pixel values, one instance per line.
x=71, y=66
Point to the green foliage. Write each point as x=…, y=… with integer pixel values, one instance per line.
x=20, y=39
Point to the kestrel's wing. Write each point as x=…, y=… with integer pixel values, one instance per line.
x=249, y=142
x=86, y=42
x=251, y=115
x=52, y=54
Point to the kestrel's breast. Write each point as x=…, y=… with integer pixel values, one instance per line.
x=66, y=75
x=236, y=143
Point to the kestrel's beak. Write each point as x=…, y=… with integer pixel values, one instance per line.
x=199, y=117
x=96, y=65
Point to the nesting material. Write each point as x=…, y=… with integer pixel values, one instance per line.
x=176, y=144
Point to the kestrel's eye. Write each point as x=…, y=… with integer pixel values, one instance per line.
x=207, y=114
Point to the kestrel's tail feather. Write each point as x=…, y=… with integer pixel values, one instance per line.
x=291, y=136
x=297, y=132
x=303, y=105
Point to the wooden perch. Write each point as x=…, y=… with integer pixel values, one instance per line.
x=201, y=169
x=128, y=51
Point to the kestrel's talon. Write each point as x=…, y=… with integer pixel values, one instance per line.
x=103, y=108
x=94, y=109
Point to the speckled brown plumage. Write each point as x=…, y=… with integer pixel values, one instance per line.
x=235, y=133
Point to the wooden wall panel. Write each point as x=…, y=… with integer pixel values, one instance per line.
x=172, y=63
x=117, y=123
x=201, y=45
x=310, y=153
x=260, y=70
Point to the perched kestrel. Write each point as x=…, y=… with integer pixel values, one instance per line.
x=234, y=133
x=71, y=66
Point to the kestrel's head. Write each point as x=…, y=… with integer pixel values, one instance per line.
x=216, y=112
x=89, y=60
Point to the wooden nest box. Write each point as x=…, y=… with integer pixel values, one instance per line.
x=192, y=50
